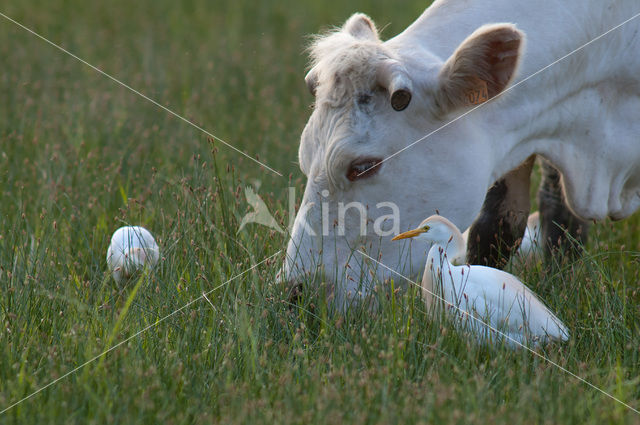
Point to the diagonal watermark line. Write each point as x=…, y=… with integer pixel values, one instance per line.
x=426, y=136
x=72, y=371
x=213, y=136
x=209, y=301
x=503, y=334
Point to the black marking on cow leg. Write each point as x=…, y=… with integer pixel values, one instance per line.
x=488, y=239
x=498, y=230
x=560, y=228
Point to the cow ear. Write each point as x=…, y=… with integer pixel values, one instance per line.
x=360, y=25
x=481, y=67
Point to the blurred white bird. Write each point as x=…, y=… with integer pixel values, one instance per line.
x=131, y=249
x=531, y=246
x=493, y=296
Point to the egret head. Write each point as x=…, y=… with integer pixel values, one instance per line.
x=435, y=229
x=131, y=249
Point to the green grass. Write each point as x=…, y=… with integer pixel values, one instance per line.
x=81, y=156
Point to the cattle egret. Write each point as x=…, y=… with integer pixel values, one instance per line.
x=132, y=248
x=529, y=250
x=492, y=296
x=531, y=245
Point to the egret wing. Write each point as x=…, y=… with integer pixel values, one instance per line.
x=501, y=300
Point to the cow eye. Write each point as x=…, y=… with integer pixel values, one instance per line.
x=362, y=168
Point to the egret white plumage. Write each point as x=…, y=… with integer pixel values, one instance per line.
x=531, y=246
x=492, y=296
x=132, y=249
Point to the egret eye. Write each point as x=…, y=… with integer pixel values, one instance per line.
x=425, y=228
x=362, y=168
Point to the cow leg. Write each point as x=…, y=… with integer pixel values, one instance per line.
x=560, y=228
x=498, y=230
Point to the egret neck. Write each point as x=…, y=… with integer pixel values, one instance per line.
x=448, y=247
x=439, y=261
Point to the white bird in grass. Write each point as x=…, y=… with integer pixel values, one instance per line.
x=531, y=246
x=132, y=249
x=492, y=296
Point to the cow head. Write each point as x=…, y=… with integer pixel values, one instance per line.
x=372, y=100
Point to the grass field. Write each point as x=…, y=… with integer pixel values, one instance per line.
x=80, y=156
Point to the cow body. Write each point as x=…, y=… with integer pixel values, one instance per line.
x=581, y=114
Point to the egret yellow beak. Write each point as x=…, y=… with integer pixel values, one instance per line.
x=410, y=234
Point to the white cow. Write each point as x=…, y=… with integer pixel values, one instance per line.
x=375, y=98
